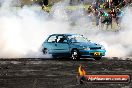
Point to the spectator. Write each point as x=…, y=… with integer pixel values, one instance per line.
x=112, y=16
x=90, y=9
x=109, y=2
x=124, y=3
x=97, y=5
x=112, y=13
x=106, y=5
x=90, y=12
x=94, y=5
x=119, y=15
x=97, y=17
x=107, y=19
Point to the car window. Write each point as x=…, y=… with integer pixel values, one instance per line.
x=62, y=39
x=52, y=39
x=77, y=38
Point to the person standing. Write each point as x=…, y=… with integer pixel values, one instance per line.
x=97, y=17
x=105, y=19
x=119, y=15
x=112, y=15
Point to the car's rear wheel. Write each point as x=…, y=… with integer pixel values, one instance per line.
x=97, y=58
x=45, y=51
x=75, y=54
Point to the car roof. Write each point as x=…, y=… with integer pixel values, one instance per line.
x=65, y=34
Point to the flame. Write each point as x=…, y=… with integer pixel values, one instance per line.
x=81, y=71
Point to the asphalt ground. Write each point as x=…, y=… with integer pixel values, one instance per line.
x=44, y=73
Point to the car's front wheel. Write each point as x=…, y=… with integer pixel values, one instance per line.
x=75, y=54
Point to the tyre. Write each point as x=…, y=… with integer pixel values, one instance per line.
x=45, y=51
x=75, y=55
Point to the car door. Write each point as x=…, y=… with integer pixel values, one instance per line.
x=50, y=44
x=62, y=46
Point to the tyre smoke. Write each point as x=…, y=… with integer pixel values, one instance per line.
x=23, y=30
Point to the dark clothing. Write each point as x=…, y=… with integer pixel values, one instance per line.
x=62, y=40
x=107, y=20
x=89, y=10
x=112, y=13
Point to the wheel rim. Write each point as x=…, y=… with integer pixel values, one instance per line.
x=74, y=55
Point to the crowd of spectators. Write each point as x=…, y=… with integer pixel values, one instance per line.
x=106, y=12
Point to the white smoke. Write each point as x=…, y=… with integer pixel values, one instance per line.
x=23, y=30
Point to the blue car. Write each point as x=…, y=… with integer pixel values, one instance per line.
x=73, y=46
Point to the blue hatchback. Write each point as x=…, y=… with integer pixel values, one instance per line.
x=74, y=46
